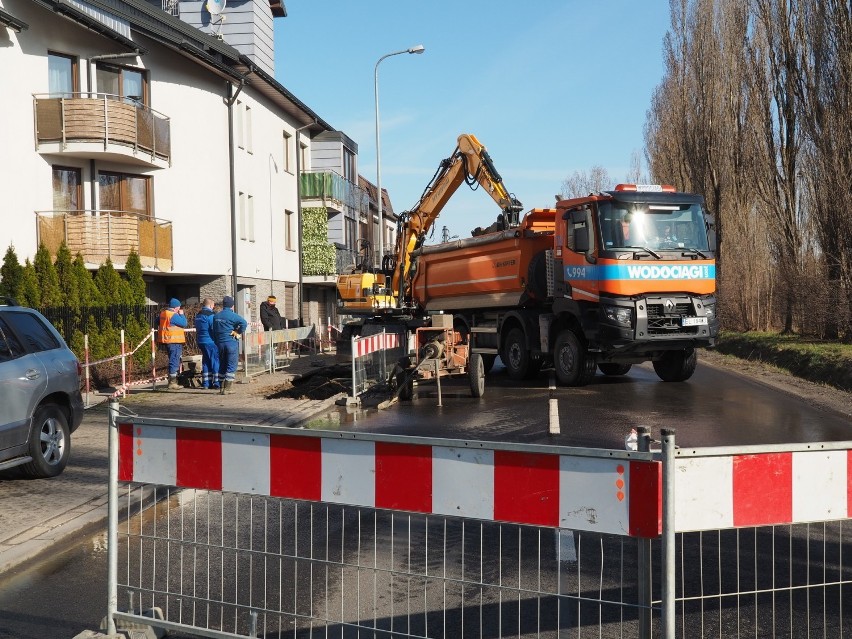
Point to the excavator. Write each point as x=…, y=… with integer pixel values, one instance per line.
x=381, y=299
x=365, y=292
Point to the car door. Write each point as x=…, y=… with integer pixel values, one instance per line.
x=23, y=379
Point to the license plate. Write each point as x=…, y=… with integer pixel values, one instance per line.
x=693, y=321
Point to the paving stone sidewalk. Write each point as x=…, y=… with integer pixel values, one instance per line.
x=38, y=514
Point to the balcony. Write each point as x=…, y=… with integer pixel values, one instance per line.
x=98, y=124
x=98, y=235
x=328, y=185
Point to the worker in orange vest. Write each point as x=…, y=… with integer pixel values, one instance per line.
x=171, y=334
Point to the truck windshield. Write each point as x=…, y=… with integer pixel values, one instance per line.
x=658, y=226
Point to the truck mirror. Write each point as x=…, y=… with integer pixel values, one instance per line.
x=581, y=239
x=578, y=217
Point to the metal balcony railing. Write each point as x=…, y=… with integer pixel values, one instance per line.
x=328, y=185
x=104, y=119
x=98, y=235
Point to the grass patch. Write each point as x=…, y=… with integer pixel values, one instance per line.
x=815, y=360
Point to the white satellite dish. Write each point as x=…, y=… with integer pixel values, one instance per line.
x=215, y=7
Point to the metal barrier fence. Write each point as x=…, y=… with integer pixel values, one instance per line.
x=373, y=358
x=269, y=351
x=259, y=531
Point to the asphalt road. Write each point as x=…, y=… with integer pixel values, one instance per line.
x=65, y=593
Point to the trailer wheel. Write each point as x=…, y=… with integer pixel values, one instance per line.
x=476, y=375
x=676, y=366
x=571, y=362
x=611, y=368
x=517, y=358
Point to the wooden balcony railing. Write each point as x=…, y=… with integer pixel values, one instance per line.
x=102, y=119
x=98, y=235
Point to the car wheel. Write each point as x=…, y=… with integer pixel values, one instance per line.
x=676, y=366
x=571, y=362
x=50, y=442
x=611, y=368
x=476, y=375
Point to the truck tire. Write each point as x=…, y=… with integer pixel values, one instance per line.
x=517, y=358
x=612, y=368
x=573, y=366
x=676, y=366
x=476, y=375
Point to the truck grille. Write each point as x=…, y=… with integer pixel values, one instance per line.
x=661, y=324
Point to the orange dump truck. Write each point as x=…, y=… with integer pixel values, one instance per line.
x=599, y=282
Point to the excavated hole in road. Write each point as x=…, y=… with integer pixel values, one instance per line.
x=318, y=385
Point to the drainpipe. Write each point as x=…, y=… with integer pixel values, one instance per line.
x=230, y=100
x=92, y=59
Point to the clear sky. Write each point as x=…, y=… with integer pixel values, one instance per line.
x=548, y=86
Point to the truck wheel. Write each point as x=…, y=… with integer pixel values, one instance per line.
x=611, y=368
x=571, y=362
x=476, y=375
x=676, y=366
x=516, y=357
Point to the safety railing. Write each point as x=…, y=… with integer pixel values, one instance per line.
x=270, y=351
x=274, y=532
x=373, y=359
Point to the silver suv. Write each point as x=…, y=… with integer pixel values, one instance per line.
x=40, y=401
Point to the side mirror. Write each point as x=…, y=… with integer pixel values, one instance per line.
x=581, y=239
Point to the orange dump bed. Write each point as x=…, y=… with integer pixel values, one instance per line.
x=486, y=271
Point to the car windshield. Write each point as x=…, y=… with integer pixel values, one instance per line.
x=657, y=226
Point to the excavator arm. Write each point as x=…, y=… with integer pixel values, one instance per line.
x=469, y=163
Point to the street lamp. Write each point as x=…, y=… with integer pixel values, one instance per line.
x=416, y=49
x=271, y=218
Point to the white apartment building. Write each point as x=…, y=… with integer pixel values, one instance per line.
x=125, y=127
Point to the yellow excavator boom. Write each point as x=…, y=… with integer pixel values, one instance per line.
x=469, y=163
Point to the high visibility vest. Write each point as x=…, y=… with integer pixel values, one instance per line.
x=170, y=334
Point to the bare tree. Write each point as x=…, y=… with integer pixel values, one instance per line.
x=580, y=183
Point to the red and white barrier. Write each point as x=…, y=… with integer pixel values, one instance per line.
x=600, y=494
x=362, y=346
x=762, y=489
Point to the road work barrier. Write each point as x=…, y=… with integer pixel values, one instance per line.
x=262, y=531
x=270, y=351
x=373, y=359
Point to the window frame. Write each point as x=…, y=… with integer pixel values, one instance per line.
x=146, y=89
x=148, y=214
x=79, y=188
x=289, y=216
x=75, y=69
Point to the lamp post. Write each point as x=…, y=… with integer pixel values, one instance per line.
x=415, y=49
x=271, y=235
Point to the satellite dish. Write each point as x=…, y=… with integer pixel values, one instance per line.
x=215, y=7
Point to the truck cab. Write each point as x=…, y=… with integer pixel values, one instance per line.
x=634, y=273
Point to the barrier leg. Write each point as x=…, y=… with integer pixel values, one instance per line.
x=112, y=519
x=668, y=562
x=645, y=582
x=153, y=360
x=438, y=380
x=86, y=355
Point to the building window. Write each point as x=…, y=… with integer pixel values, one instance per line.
x=351, y=233
x=242, y=215
x=249, y=147
x=349, y=166
x=62, y=73
x=288, y=230
x=250, y=205
x=67, y=189
x=125, y=193
x=239, y=125
x=288, y=140
x=123, y=83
